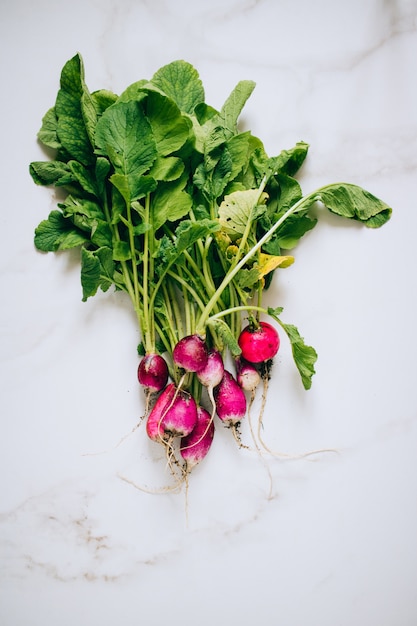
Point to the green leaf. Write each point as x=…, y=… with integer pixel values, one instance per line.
x=135, y=91
x=102, y=99
x=289, y=234
x=285, y=191
x=90, y=273
x=84, y=177
x=304, y=356
x=82, y=206
x=222, y=330
x=132, y=188
x=234, y=104
x=88, y=111
x=124, y=134
x=186, y=235
x=289, y=161
x=107, y=266
x=355, y=203
x=72, y=104
x=167, y=168
x=101, y=234
x=213, y=174
x=73, y=137
x=102, y=169
x=170, y=203
x=247, y=278
x=237, y=209
x=58, y=233
x=51, y=173
x=180, y=81
x=170, y=128
x=48, y=131
x=121, y=251
x=223, y=126
x=238, y=147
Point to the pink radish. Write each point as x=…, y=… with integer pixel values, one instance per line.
x=153, y=372
x=154, y=427
x=230, y=400
x=180, y=418
x=259, y=344
x=195, y=446
x=212, y=373
x=174, y=414
x=247, y=375
x=190, y=353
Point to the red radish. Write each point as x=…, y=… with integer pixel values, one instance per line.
x=190, y=353
x=259, y=344
x=195, y=446
x=174, y=414
x=247, y=375
x=230, y=400
x=154, y=427
x=180, y=418
x=153, y=372
x=212, y=373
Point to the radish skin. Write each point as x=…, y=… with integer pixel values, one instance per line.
x=181, y=417
x=247, y=375
x=195, y=446
x=153, y=372
x=174, y=414
x=259, y=344
x=154, y=428
x=190, y=353
x=212, y=373
x=230, y=400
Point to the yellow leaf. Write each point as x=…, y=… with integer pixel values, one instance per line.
x=269, y=262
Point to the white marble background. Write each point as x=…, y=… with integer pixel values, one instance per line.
x=337, y=543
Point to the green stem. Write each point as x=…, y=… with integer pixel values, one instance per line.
x=188, y=288
x=169, y=318
x=133, y=253
x=148, y=336
x=237, y=309
x=309, y=199
x=125, y=271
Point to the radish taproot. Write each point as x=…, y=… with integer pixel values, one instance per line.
x=259, y=343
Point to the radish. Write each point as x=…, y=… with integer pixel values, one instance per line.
x=181, y=417
x=153, y=372
x=190, y=353
x=195, y=446
x=174, y=414
x=247, y=375
x=230, y=400
x=259, y=344
x=154, y=426
x=212, y=372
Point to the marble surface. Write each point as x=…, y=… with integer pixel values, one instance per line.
x=336, y=544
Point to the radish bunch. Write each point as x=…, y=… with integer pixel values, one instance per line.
x=170, y=202
x=177, y=419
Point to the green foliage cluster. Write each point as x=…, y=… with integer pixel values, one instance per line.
x=170, y=202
